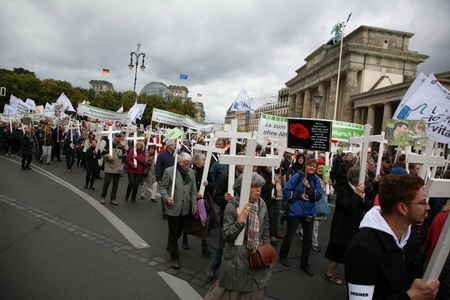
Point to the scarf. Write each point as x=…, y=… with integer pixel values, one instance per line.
x=184, y=175
x=253, y=227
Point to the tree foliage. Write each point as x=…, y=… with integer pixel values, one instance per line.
x=24, y=84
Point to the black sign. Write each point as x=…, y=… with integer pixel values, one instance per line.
x=309, y=134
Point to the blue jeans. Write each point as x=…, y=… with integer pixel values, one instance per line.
x=217, y=259
x=70, y=159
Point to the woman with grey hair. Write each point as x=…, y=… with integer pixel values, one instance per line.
x=183, y=202
x=237, y=279
x=351, y=203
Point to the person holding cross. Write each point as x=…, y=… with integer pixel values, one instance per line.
x=374, y=260
x=179, y=202
x=135, y=168
x=113, y=169
x=237, y=279
x=27, y=143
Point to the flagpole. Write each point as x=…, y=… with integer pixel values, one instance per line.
x=344, y=24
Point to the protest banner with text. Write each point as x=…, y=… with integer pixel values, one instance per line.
x=170, y=118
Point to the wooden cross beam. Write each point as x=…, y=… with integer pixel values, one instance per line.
x=209, y=151
x=110, y=134
x=248, y=161
x=427, y=160
x=438, y=188
x=363, y=140
x=234, y=136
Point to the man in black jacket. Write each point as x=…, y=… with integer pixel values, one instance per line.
x=27, y=149
x=374, y=261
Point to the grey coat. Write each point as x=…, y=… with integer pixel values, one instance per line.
x=185, y=195
x=235, y=271
x=114, y=166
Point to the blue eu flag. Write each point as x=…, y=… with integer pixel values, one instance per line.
x=183, y=76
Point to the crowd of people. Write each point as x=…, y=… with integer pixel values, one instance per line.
x=383, y=230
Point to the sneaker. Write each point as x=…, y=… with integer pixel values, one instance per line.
x=103, y=201
x=114, y=202
x=316, y=248
x=211, y=272
x=154, y=200
x=273, y=240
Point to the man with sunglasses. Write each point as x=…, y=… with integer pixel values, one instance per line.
x=374, y=260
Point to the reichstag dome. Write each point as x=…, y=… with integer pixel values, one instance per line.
x=155, y=88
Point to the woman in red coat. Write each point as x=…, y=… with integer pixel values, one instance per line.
x=136, y=163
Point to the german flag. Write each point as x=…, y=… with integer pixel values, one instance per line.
x=105, y=71
x=199, y=95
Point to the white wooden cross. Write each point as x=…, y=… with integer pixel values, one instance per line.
x=381, y=140
x=135, y=138
x=234, y=136
x=248, y=161
x=427, y=160
x=71, y=126
x=209, y=151
x=437, y=152
x=438, y=188
x=110, y=134
x=364, y=141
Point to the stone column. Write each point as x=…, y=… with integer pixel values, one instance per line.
x=323, y=102
x=371, y=115
x=292, y=100
x=362, y=114
x=299, y=105
x=307, y=104
x=332, y=97
x=387, y=114
x=357, y=115
x=351, y=85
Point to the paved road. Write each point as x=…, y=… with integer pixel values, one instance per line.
x=55, y=244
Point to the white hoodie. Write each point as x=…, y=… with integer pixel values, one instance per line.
x=373, y=219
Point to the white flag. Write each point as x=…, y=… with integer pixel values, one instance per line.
x=13, y=100
x=244, y=103
x=67, y=104
x=412, y=89
x=48, y=106
x=9, y=110
x=120, y=109
x=84, y=102
x=30, y=103
x=431, y=103
x=141, y=109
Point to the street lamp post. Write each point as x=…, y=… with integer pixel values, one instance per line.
x=136, y=54
x=317, y=99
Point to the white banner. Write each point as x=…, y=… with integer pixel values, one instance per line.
x=34, y=116
x=101, y=114
x=430, y=102
x=272, y=128
x=244, y=103
x=67, y=104
x=170, y=118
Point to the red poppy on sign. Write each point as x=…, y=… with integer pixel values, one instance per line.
x=109, y=123
x=299, y=131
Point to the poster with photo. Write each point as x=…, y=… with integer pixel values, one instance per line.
x=309, y=134
x=406, y=133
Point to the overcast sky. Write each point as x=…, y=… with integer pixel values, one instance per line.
x=223, y=46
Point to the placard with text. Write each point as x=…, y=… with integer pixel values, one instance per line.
x=309, y=134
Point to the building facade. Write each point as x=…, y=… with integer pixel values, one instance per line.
x=372, y=58
x=100, y=86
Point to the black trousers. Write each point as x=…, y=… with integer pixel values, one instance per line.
x=27, y=158
x=90, y=177
x=56, y=151
x=115, y=179
x=292, y=224
x=175, y=231
x=133, y=185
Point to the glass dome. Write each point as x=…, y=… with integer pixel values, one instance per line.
x=155, y=88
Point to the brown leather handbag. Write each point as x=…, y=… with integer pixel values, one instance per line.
x=265, y=256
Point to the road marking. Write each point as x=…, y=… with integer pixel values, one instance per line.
x=123, y=228
x=180, y=287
